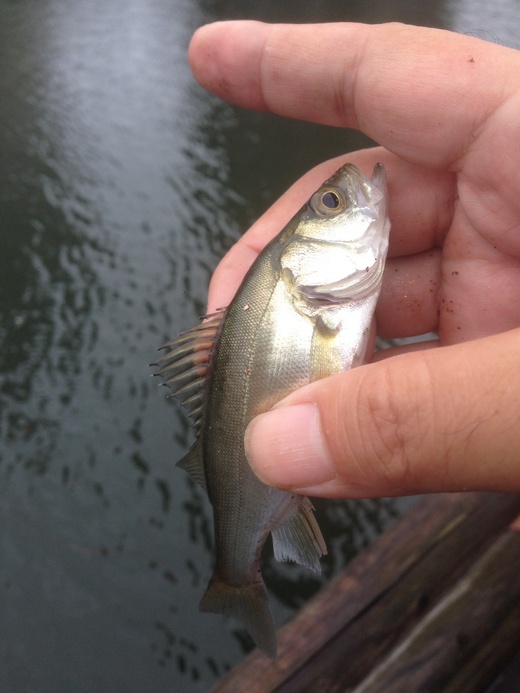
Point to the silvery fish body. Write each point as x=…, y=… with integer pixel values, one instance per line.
x=302, y=312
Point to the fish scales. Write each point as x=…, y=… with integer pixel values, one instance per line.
x=302, y=312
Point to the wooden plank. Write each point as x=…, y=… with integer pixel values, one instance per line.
x=466, y=640
x=348, y=628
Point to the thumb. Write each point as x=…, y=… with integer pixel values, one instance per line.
x=445, y=419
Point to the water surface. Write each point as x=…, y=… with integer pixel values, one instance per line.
x=122, y=186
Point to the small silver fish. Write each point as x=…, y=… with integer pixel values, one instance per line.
x=302, y=312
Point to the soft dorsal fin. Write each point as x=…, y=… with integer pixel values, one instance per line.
x=185, y=366
x=193, y=463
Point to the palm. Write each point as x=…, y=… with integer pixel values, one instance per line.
x=481, y=251
x=459, y=274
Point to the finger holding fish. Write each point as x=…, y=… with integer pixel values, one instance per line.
x=410, y=296
x=426, y=421
x=385, y=80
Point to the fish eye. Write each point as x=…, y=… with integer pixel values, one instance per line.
x=330, y=200
x=326, y=202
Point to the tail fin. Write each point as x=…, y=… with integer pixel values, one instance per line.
x=249, y=604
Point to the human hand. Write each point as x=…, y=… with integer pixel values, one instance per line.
x=445, y=109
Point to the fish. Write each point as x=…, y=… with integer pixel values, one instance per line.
x=303, y=312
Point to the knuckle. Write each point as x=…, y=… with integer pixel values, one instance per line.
x=393, y=426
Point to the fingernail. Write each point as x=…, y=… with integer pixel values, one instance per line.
x=285, y=448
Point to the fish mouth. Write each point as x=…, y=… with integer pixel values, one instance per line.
x=366, y=191
x=371, y=192
x=378, y=177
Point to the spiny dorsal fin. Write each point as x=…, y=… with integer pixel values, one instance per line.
x=184, y=367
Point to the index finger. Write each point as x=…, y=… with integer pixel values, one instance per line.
x=421, y=93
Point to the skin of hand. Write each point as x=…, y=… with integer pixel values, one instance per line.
x=445, y=415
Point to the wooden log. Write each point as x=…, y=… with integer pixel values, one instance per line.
x=337, y=641
x=465, y=641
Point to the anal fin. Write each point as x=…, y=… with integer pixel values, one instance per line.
x=299, y=538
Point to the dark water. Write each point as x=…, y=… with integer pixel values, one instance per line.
x=121, y=186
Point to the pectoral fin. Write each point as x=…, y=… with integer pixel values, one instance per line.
x=299, y=538
x=325, y=353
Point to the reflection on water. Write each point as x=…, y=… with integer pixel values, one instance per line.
x=122, y=185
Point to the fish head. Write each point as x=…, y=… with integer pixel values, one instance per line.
x=336, y=253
